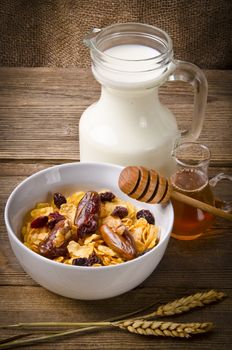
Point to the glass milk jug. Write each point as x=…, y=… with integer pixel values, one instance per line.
x=128, y=125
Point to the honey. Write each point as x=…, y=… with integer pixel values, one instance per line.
x=190, y=222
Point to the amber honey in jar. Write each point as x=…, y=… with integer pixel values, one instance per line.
x=191, y=179
x=190, y=222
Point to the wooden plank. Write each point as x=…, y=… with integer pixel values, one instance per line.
x=43, y=107
x=24, y=168
x=39, y=149
x=17, y=303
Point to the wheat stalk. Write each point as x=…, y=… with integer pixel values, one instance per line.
x=165, y=329
x=133, y=325
x=188, y=303
x=142, y=327
x=177, y=306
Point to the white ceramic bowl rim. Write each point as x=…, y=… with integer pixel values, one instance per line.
x=49, y=261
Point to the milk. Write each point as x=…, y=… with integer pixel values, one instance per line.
x=129, y=69
x=132, y=52
x=128, y=125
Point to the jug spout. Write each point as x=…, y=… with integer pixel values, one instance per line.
x=90, y=37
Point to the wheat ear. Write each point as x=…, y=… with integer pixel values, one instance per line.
x=165, y=329
x=187, y=303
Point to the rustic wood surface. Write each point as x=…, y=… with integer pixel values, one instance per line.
x=39, y=113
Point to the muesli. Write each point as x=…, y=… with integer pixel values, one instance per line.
x=89, y=229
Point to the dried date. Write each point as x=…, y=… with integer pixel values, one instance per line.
x=49, y=247
x=123, y=244
x=87, y=215
x=53, y=218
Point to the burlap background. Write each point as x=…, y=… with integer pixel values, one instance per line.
x=50, y=32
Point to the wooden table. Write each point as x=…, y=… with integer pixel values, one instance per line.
x=39, y=113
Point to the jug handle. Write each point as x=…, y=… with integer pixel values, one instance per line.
x=193, y=75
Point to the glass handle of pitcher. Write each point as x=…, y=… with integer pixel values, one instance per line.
x=193, y=75
x=222, y=203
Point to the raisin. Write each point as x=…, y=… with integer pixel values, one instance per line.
x=94, y=259
x=80, y=262
x=107, y=196
x=91, y=260
x=59, y=199
x=121, y=212
x=41, y=221
x=146, y=214
x=53, y=218
x=87, y=215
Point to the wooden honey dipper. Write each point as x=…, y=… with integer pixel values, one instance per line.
x=149, y=187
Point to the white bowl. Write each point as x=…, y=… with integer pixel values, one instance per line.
x=76, y=281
